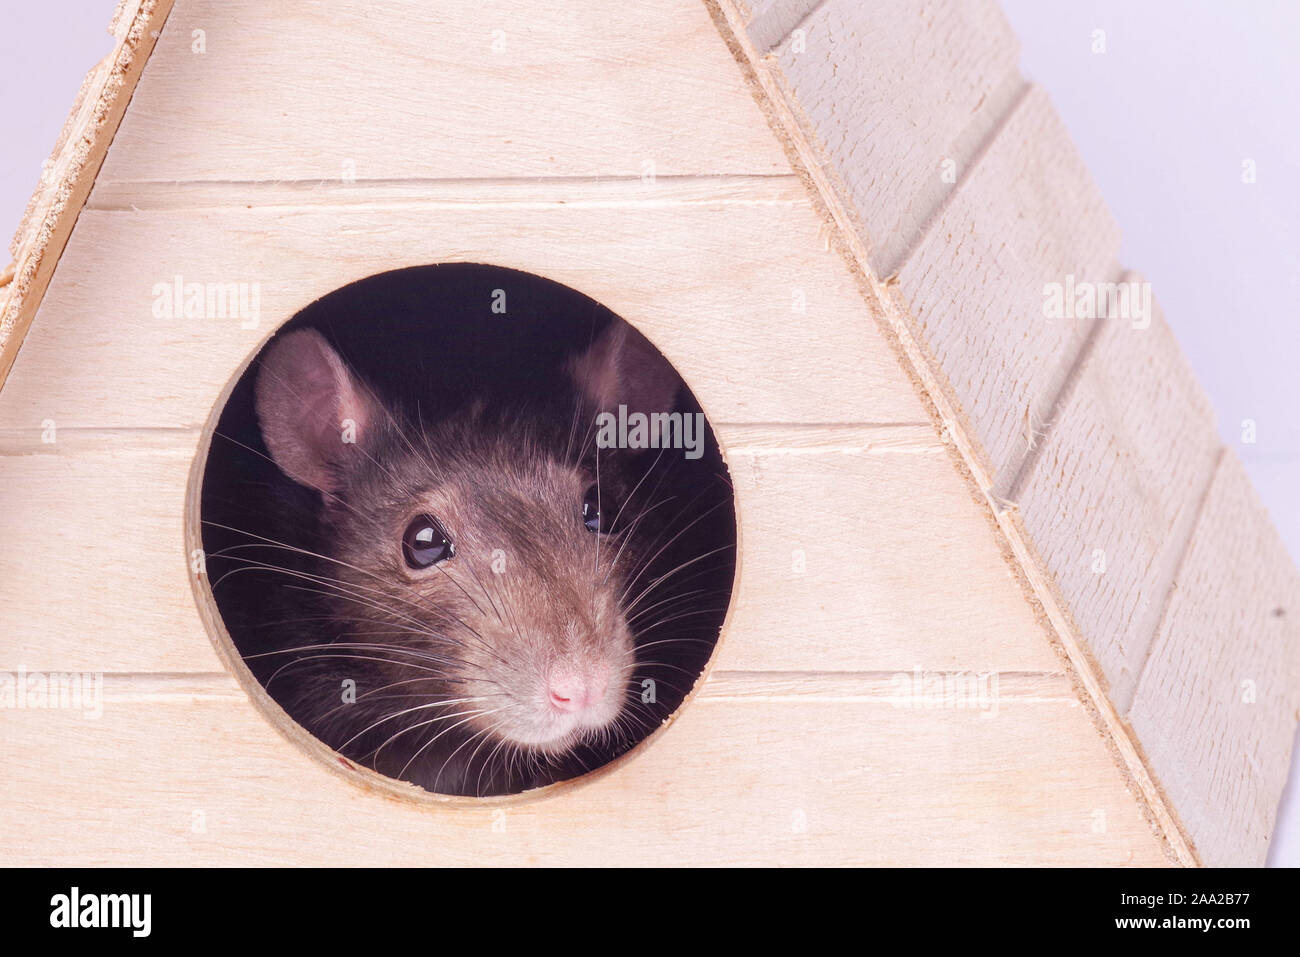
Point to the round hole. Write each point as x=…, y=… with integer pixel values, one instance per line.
x=463, y=528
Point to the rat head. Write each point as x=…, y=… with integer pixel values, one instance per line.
x=476, y=566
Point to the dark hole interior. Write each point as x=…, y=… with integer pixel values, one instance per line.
x=428, y=550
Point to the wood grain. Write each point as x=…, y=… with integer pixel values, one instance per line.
x=1219, y=697
x=1110, y=495
x=305, y=91
x=841, y=588
x=815, y=782
x=704, y=281
x=980, y=691
x=1027, y=215
x=891, y=93
x=981, y=362
x=520, y=194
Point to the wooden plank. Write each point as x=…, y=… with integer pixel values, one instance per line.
x=891, y=93
x=872, y=562
x=818, y=438
x=983, y=691
x=94, y=569
x=1110, y=496
x=966, y=288
x=520, y=194
x=704, y=282
x=974, y=242
x=1027, y=215
x=305, y=91
x=69, y=173
x=1218, y=700
x=91, y=531
x=868, y=783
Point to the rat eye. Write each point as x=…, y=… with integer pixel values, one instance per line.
x=426, y=543
x=592, y=516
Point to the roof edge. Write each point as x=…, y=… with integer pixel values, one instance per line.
x=68, y=175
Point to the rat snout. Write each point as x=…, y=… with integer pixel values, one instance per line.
x=572, y=692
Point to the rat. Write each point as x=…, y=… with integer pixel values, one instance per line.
x=475, y=602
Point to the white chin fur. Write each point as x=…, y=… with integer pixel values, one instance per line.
x=555, y=733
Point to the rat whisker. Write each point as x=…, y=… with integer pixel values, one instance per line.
x=668, y=641
x=631, y=533
x=650, y=561
x=666, y=575
x=671, y=599
x=355, y=657
x=360, y=646
x=398, y=714
x=450, y=756
x=466, y=715
x=680, y=616
x=273, y=543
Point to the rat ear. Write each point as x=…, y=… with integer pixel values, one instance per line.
x=312, y=410
x=622, y=368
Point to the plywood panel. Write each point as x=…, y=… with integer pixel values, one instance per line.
x=1219, y=698
x=897, y=98
x=875, y=560
x=186, y=781
x=964, y=282
x=851, y=561
x=69, y=173
x=721, y=288
x=1110, y=496
x=93, y=569
x=511, y=88
x=1027, y=215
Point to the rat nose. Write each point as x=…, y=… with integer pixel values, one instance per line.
x=572, y=692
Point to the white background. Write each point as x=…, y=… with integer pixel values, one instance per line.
x=1184, y=92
